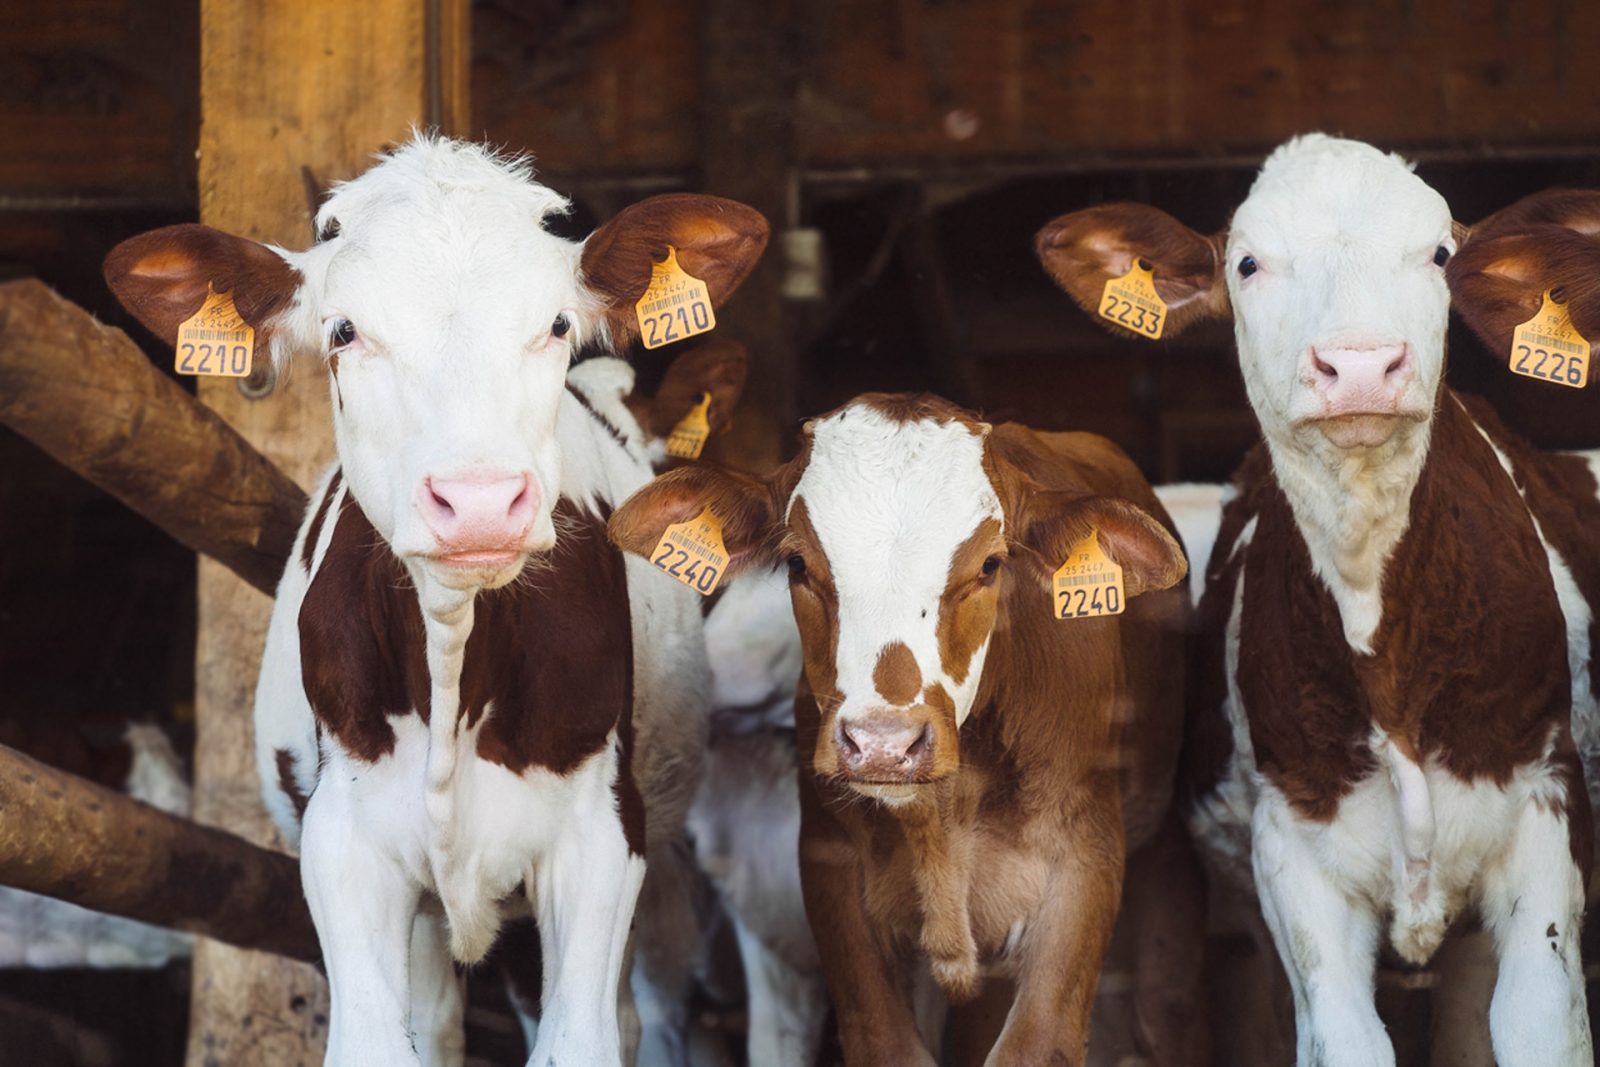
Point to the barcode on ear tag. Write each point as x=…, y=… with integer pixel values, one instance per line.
x=1549, y=348
x=1088, y=584
x=1132, y=302
x=688, y=437
x=215, y=340
x=674, y=306
x=693, y=552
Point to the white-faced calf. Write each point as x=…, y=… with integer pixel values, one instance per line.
x=977, y=764
x=1397, y=639
x=467, y=700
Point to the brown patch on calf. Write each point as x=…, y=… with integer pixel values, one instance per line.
x=896, y=676
x=967, y=609
x=717, y=368
x=288, y=784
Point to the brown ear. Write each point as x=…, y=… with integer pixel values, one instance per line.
x=1497, y=280
x=716, y=367
x=1084, y=249
x=742, y=504
x=162, y=276
x=1572, y=209
x=1149, y=556
x=718, y=241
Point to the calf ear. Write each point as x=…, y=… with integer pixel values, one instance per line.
x=1572, y=209
x=716, y=367
x=718, y=241
x=1499, y=277
x=1084, y=249
x=1054, y=522
x=162, y=278
x=742, y=504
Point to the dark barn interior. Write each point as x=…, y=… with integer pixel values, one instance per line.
x=905, y=151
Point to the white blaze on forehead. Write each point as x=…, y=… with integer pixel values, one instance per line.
x=890, y=502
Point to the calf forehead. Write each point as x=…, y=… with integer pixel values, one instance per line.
x=892, y=498
x=1320, y=188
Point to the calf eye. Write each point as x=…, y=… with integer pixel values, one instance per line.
x=342, y=335
x=1440, y=256
x=797, y=568
x=991, y=566
x=561, y=327
x=1247, y=266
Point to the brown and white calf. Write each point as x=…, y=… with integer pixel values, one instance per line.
x=469, y=701
x=1398, y=611
x=964, y=808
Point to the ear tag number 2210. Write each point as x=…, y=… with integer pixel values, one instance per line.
x=1088, y=584
x=674, y=305
x=693, y=552
x=215, y=340
x=1132, y=302
x=1548, y=347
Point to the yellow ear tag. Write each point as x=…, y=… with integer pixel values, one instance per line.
x=693, y=552
x=689, y=436
x=1132, y=302
x=1548, y=347
x=1089, y=583
x=674, y=305
x=215, y=340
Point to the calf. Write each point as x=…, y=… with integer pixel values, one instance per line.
x=468, y=702
x=1394, y=615
x=963, y=808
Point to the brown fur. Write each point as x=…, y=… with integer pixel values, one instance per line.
x=314, y=531
x=896, y=676
x=718, y=367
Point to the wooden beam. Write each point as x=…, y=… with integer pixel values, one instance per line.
x=87, y=395
x=68, y=838
x=284, y=86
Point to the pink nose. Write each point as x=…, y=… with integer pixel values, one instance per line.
x=480, y=511
x=1362, y=381
x=888, y=745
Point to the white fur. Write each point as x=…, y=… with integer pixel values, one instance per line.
x=1196, y=509
x=890, y=502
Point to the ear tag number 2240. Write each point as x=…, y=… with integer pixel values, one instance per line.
x=215, y=340
x=693, y=552
x=674, y=305
x=1132, y=302
x=1088, y=584
x=1548, y=347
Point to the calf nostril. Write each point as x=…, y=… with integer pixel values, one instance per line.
x=521, y=498
x=851, y=749
x=1395, y=365
x=440, y=502
x=1327, y=370
x=922, y=744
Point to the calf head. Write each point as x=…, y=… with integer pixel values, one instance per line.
x=447, y=315
x=1332, y=271
x=911, y=534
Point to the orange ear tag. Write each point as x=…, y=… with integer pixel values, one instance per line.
x=1132, y=302
x=1089, y=583
x=693, y=552
x=1548, y=347
x=215, y=340
x=689, y=436
x=674, y=305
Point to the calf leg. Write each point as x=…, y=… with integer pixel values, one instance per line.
x=437, y=1003
x=1533, y=904
x=664, y=953
x=363, y=904
x=1327, y=941
x=787, y=1007
x=1165, y=906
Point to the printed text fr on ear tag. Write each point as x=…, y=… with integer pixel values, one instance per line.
x=1548, y=347
x=1088, y=584
x=674, y=305
x=1132, y=302
x=689, y=436
x=693, y=552
x=215, y=340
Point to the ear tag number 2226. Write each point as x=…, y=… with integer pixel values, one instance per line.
x=674, y=306
x=215, y=340
x=1089, y=583
x=1132, y=302
x=693, y=552
x=1548, y=347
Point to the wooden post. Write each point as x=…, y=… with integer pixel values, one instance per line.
x=286, y=85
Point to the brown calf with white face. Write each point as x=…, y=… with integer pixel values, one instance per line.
x=979, y=765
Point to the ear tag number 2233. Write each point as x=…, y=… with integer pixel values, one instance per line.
x=674, y=305
x=215, y=340
x=1089, y=583
x=1132, y=302
x=693, y=552
x=1548, y=347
